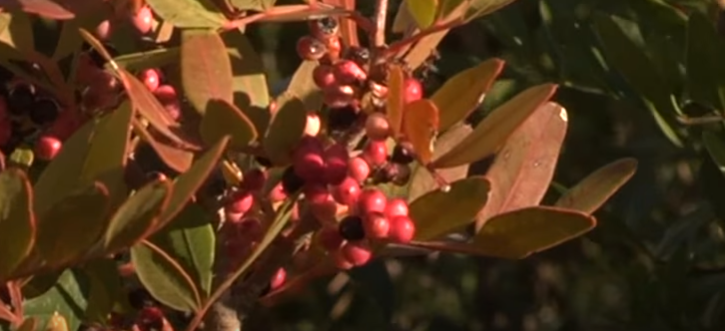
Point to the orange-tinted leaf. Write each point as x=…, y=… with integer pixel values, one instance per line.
x=222, y=119
x=291, y=13
x=206, y=71
x=423, y=11
x=522, y=171
x=519, y=233
x=286, y=130
x=17, y=221
x=44, y=8
x=438, y=213
x=420, y=126
x=177, y=159
x=395, y=102
x=492, y=132
x=463, y=93
x=302, y=86
x=594, y=190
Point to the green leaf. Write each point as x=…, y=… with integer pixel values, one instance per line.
x=105, y=289
x=17, y=221
x=478, y=8
x=303, y=86
x=420, y=126
x=222, y=119
x=190, y=240
x=286, y=129
x=137, y=217
x=522, y=232
x=395, y=102
x=206, y=71
x=464, y=92
x=186, y=185
x=423, y=11
x=438, y=213
x=164, y=278
x=66, y=297
x=154, y=58
x=257, y=5
x=523, y=169
x=68, y=229
x=716, y=148
x=18, y=32
x=492, y=132
x=189, y=13
x=594, y=190
x=44, y=8
x=705, y=73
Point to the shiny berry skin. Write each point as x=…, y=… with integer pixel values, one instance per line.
x=413, y=90
x=143, y=20
x=278, y=279
x=358, y=169
x=47, y=147
x=376, y=153
x=372, y=201
x=316, y=193
x=334, y=48
x=277, y=193
x=356, y=253
x=150, y=78
x=359, y=55
x=308, y=160
x=396, y=207
x=351, y=228
x=348, y=72
x=103, y=30
x=376, y=226
x=402, y=229
x=341, y=119
x=377, y=126
x=348, y=192
x=325, y=211
x=324, y=28
x=310, y=48
x=329, y=238
x=291, y=182
x=336, y=160
x=167, y=96
x=44, y=111
x=254, y=180
x=241, y=203
x=341, y=261
x=313, y=125
x=324, y=76
x=402, y=155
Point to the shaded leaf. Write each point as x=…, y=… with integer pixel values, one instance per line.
x=492, y=132
x=189, y=13
x=522, y=232
x=422, y=182
x=464, y=92
x=423, y=11
x=521, y=173
x=18, y=32
x=395, y=101
x=164, y=278
x=222, y=119
x=176, y=158
x=420, y=126
x=403, y=20
x=17, y=222
x=594, y=190
x=249, y=83
x=149, y=59
x=44, y=8
x=190, y=241
x=66, y=297
x=105, y=289
x=186, y=185
x=705, y=51
x=303, y=87
x=438, y=213
x=71, y=226
x=137, y=217
x=286, y=130
x=206, y=71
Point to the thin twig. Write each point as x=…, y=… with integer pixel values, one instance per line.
x=381, y=14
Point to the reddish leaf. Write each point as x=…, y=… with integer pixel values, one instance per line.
x=395, y=100
x=594, y=190
x=206, y=71
x=523, y=169
x=291, y=13
x=45, y=8
x=174, y=157
x=420, y=126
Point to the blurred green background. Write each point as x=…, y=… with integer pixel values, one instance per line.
x=655, y=262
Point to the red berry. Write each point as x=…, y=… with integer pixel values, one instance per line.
x=376, y=226
x=376, y=153
x=47, y=147
x=348, y=72
x=413, y=90
x=143, y=20
x=4, y=111
x=310, y=48
x=278, y=279
x=372, y=201
x=329, y=238
x=357, y=253
x=103, y=30
x=336, y=160
x=377, y=127
x=241, y=203
x=308, y=162
x=167, y=96
x=396, y=207
x=313, y=125
x=402, y=229
x=334, y=48
x=348, y=192
x=150, y=78
x=341, y=261
x=6, y=131
x=65, y=125
x=358, y=169
x=254, y=180
x=250, y=229
x=277, y=193
x=316, y=193
x=324, y=76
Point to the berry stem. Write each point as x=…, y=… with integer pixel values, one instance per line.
x=381, y=13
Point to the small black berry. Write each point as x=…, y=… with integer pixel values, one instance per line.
x=20, y=98
x=327, y=26
x=140, y=298
x=341, y=119
x=291, y=183
x=401, y=155
x=351, y=228
x=44, y=111
x=359, y=55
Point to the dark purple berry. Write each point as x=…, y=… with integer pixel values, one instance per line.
x=341, y=119
x=291, y=182
x=44, y=111
x=351, y=228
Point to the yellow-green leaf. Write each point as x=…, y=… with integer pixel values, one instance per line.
x=302, y=86
x=423, y=11
x=286, y=130
x=206, y=70
x=18, y=32
x=189, y=13
x=403, y=20
x=17, y=221
x=420, y=126
x=464, y=92
x=395, y=101
x=176, y=158
x=479, y=8
x=222, y=119
x=438, y=213
x=144, y=60
x=492, y=132
x=594, y=190
x=522, y=232
x=705, y=51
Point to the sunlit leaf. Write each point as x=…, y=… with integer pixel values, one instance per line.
x=17, y=222
x=423, y=11
x=420, y=126
x=149, y=59
x=188, y=13
x=222, y=119
x=174, y=157
x=594, y=190
x=395, y=101
x=18, y=31
x=303, y=87
x=206, y=71
x=45, y=8
x=66, y=296
x=286, y=130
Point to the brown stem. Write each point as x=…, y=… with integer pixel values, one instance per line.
x=381, y=13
